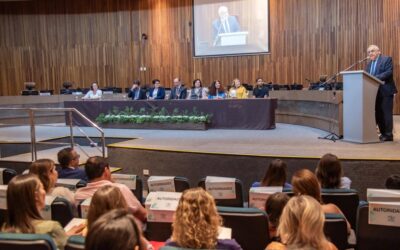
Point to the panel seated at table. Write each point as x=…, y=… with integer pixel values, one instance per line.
x=255, y=114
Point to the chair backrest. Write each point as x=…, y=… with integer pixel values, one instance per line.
x=335, y=229
x=374, y=236
x=7, y=174
x=158, y=231
x=346, y=199
x=181, y=184
x=75, y=242
x=249, y=226
x=62, y=211
x=238, y=202
x=26, y=241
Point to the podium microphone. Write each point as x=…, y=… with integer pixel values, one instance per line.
x=362, y=60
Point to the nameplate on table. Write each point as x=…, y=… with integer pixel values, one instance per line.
x=84, y=207
x=221, y=187
x=161, y=183
x=384, y=207
x=161, y=206
x=259, y=195
x=46, y=211
x=1, y=176
x=3, y=197
x=127, y=179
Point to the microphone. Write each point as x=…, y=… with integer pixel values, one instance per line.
x=362, y=60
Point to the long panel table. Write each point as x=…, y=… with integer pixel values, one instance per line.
x=256, y=114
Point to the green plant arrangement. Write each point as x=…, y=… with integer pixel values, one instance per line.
x=130, y=116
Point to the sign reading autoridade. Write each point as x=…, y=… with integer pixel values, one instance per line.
x=384, y=207
x=221, y=187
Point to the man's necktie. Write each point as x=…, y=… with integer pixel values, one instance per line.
x=373, y=66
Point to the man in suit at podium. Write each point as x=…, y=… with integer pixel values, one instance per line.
x=224, y=24
x=381, y=67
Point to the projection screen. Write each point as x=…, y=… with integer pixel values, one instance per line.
x=230, y=27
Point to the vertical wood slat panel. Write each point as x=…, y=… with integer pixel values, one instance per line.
x=54, y=41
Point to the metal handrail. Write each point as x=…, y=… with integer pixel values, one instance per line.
x=31, y=112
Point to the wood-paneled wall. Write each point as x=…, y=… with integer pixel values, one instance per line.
x=50, y=42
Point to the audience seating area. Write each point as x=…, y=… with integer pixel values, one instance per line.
x=249, y=225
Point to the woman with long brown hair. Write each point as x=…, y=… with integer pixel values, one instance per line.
x=45, y=169
x=25, y=200
x=196, y=223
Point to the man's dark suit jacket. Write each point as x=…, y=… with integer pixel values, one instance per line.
x=182, y=93
x=384, y=72
x=160, y=93
x=142, y=94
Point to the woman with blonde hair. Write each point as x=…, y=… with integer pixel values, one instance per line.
x=25, y=200
x=305, y=182
x=196, y=223
x=301, y=226
x=237, y=90
x=45, y=169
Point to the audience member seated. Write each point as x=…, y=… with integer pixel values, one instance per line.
x=45, y=169
x=302, y=226
x=116, y=230
x=393, y=182
x=237, y=90
x=94, y=92
x=99, y=175
x=275, y=176
x=305, y=182
x=69, y=165
x=179, y=91
x=104, y=200
x=196, y=223
x=25, y=200
x=216, y=91
x=260, y=90
x=197, y=91
x=274, y=207
x=136, y=92
x=330, y=173
x=157, y=92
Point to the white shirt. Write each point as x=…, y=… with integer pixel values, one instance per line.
x=92, y=95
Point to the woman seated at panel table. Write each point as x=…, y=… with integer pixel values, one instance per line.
x=237, y=90
x=216, y=90
x=157, y=92
x=94, y=92
x=197, y=91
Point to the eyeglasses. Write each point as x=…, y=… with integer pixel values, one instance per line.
x=371, y=51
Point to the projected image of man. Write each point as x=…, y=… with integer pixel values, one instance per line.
x=224, y=24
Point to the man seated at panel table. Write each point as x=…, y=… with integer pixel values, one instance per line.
x=178, y=91
x=157, y=92
x=99, y=175
x=136, y=92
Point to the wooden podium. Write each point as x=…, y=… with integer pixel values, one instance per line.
x=359, y=96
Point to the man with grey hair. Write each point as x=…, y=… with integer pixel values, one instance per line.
x=381, y=67
x=224, y=24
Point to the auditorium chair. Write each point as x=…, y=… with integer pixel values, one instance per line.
x=374, y=236
x=8, y=174
x=335, y=229
x=75, y=242
x=15, y=241
x=249, y=226
x=238, y=202
x=346, y=199
x=62, y=211
x=158, y=231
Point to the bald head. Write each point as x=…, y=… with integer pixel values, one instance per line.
x=223, y=12
x=373, y=52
